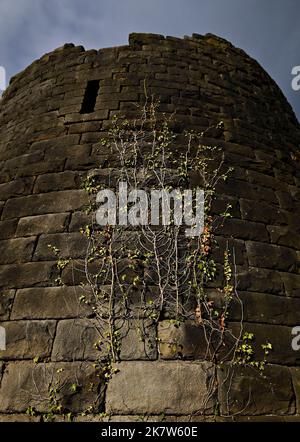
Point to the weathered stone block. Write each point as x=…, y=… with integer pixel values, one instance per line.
x=244, y=391
x=8, y=228
x=57, y=143
x=285, y=200
x=66, y=152
x=51, y=302
x=137, y=339
x=291, y=284
x=81, y=159
x=265, y=308
x=186, y=340
x=90, y=126
x=75, y=340
x=79, y=220
x=284, y=236
x=264, y=180
x=261, y=212
x=27, y=384
x=16, y=250
x=80, y=339
x=279, y=336
x=17, y=187
x=45, y=203
x=175, y=387
x=271, y=256
x=241, y=229
x=36, y=225
x=26, y=340
x=27, y=274
x=70, y=245
x=80, y=118
x=235, y=247
x=50, y=182
x=260, y=280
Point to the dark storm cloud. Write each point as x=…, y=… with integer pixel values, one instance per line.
x=267, y=29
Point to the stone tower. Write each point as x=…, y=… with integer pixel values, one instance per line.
x=52, y=117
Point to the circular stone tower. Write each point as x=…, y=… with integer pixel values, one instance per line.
x=52, y=119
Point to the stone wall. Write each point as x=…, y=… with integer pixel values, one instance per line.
x=47, y=145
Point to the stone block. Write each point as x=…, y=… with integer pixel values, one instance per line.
x=137, y=339
x=263, y=307
x=271, y=256
x=244, y=391
x=79, y=220
x=51, y=302
x=264, y=180
x=90, y=126
x=16, y=250
x=27, y=274
x=27, y=384
x=70, y=245
x=260, y=280
x=291, y=283
x=278, y=335
x=75, y=340
x=261, y=212
x=186, y=340
x=173, y=387
x=28, y=339
x=50, y=182
x=81, y=118
x=57, y=143
x=17, y=187
x=285, y=200
x=221, y=203
x=241, y=229
x=36, y=225
x=235, y=247
x=80, y=339
x=40, y=204
x=67, y=152
x=284, y=236
x=8, y=228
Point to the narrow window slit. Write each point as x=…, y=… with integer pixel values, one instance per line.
x=90, y=97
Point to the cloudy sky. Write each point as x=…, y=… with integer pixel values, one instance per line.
x=268, y=30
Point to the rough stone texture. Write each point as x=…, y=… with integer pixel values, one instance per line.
x=19, y=418
x=47, y=146
x=278, y=335
x=16, y=250
x=137, y=339
x=153, y=387
x=28, y=339
x=27, y=274
x=45, y=203
x=6, y=302
x=70, y=245
x=26, y=383
x=36, y=225
x=50, y=302
x=77, y=339
x=186, y=340
x=270, y=392
x=265, y=308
